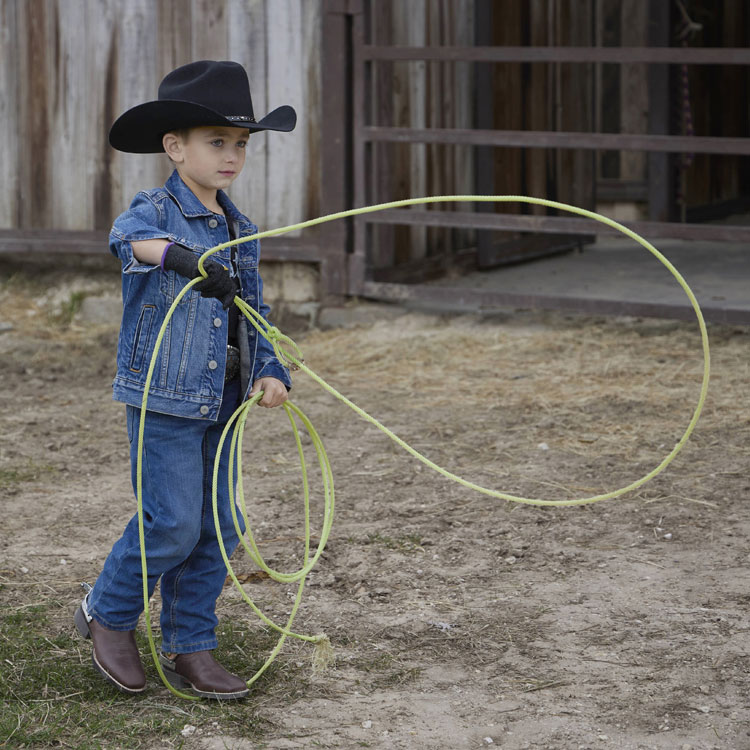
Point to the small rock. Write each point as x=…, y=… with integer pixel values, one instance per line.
x=489, y=740
x=63, y=561
x=704, y=709
x=543, y=447
x=24, y=569
x=510, y=559
x=603, y=737
x=667, y=536
x=444, y=626
x=187, y=730
x=366, y=724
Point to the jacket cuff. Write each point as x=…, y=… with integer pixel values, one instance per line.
x=272, y=368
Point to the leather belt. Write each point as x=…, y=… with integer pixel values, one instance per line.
x=233, y=363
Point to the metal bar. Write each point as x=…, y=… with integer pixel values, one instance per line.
x=550, y=139
x=558, y=224
x=657, y=55
x=473, y=299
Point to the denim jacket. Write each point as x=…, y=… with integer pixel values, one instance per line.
x=188, y=378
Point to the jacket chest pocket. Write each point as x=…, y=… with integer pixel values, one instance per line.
x=142, y=337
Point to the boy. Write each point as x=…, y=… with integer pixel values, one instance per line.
x=210, y=359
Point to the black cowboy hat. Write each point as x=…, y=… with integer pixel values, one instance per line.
x=199, y=93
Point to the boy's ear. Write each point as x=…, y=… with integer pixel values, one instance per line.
x=172, y=144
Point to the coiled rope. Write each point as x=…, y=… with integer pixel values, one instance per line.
x=287, y=351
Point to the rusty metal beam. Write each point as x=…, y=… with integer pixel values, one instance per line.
x=470, y=299
x=558, y=224
x=658, y=55
x=550, y=139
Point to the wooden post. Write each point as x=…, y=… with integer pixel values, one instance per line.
x=337, y=184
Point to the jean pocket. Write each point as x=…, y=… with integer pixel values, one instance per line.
x=132, y=420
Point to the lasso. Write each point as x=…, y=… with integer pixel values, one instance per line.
x=287, y=351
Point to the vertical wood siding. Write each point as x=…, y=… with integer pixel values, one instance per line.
x=68, y=68
x=422, y=95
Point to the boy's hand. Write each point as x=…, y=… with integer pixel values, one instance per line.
x=218, y=283
x=274, y=392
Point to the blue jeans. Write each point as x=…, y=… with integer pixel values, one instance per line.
x=180, y=536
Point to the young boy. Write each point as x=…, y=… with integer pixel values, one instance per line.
x=210, y=359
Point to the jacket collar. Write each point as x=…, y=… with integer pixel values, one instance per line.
x=190, y=206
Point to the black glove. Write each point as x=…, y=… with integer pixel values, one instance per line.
x=218, y=284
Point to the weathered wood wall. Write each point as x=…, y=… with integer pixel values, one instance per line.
x=68, y=68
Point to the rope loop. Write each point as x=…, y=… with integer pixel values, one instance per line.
x=288, y=352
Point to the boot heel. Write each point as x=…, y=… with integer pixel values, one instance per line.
x=176, y=680
x=82, y=625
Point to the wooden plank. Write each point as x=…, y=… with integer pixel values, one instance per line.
x=246, y=25
x=410, y=25
x=538, y=112
x=175, y=22
x=663, y=55
x=659, y=164
x=357, y=258
x=484, y=118
x=582, y=140
x=138, y=80
x=633, y=88
x=462, y=23
x=95, y=243
x=35, y=45
x=286, y=170
x=382, y=240
x=53, y=241
x=10, y=114
x=336, y=157
x=311, y=117
x=575, y=179
x=98, y=110
x=561, y=225
x=208, y=29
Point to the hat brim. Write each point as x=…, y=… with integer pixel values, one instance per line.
x=140, y=130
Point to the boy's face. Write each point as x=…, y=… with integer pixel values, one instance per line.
x=209, y=157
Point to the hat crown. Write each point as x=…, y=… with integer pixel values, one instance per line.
x=220, y=86
x=205, y=93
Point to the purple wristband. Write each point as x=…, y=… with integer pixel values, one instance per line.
x=166, y=247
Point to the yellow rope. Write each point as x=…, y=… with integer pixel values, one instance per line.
x=288, y=351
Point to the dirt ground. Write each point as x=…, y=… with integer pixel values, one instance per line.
x=458, y=621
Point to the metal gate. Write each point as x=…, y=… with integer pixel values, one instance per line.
x=367, y=133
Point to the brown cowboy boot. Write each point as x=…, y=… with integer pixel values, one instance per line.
x=115, y=654
x=201, y=672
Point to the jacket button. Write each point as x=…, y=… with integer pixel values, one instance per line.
x=217, y=322
x=204, y=410
x=213, y=223
x=212, y=365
